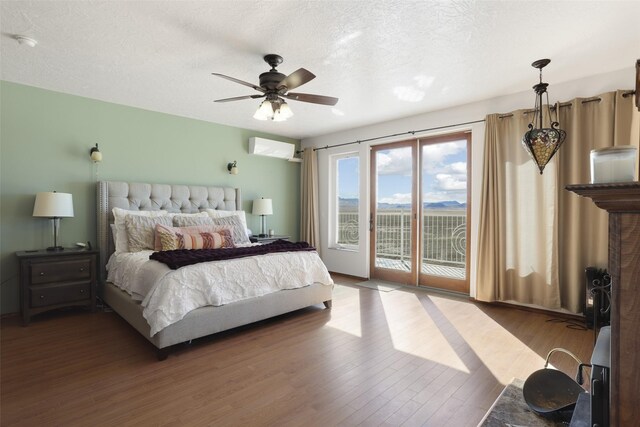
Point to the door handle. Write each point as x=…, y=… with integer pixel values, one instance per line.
x=371, y=221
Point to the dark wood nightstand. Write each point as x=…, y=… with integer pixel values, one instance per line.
x=50, y=280
x=268, y=239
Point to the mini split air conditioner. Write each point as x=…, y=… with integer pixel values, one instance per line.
x=271, y=148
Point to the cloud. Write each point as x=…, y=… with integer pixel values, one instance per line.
x=446, y=181
x=435, y=153
x=394, y=162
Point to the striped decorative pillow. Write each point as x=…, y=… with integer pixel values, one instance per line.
x=199, y=237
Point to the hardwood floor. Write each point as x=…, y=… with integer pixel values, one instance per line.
x=405, y=357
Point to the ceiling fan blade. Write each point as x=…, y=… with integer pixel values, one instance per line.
x=251, y=85
x=297, y=78
x=238, y=98
x=314, y=99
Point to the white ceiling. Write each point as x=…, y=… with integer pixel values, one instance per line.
x=383, y=59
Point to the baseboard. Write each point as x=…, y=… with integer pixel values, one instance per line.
x=539, y=310
x=348, y=276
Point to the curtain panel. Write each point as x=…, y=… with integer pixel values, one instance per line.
x=535, y=238
x=309, y=226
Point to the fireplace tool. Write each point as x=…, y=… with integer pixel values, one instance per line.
x=552, y=393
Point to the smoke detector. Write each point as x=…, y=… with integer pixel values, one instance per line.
x=26, y=40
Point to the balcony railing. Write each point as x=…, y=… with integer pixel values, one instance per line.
x=443, y=235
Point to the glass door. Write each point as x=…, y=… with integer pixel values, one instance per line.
x=445, y=172
x=393, y=217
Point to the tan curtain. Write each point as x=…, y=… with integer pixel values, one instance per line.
x=536, y=238
x=309, y=227
x=517, y=256
x=607, y=120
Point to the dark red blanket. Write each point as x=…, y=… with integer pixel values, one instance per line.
x=182, y=257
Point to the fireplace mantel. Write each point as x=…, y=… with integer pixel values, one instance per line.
x=622, y=201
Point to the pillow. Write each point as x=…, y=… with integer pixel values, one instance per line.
x=188, y=220
x=141, y=229
x=237, y=229
x=121, y=242
x=215, y=214
x=201, y=237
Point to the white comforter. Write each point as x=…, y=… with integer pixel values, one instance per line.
x=168, y=295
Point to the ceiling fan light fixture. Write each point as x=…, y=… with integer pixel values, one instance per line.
x=264, y=111
x=275, y=85
x=285, y=110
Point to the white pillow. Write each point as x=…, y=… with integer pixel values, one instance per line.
x=122, y=242
x=186, y=220
x=214, y=213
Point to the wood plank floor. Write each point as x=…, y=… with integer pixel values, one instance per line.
x=406, y=357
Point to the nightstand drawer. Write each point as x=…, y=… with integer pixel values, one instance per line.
x=57, y=294
x=60, y=271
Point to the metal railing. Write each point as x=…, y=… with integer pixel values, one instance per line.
x=443, y=235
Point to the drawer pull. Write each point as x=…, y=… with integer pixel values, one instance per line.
x=41, y=296
x=42, y=273
x=82, y=291
x=81, y=268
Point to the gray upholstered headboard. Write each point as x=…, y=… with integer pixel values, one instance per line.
x=138, y=196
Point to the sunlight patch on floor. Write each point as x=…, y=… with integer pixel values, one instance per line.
x=433, y=345
x=494, y=345
x=346, y=317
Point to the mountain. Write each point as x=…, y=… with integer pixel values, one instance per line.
x=352, y=204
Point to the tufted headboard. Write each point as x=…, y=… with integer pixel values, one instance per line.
x=138, y=196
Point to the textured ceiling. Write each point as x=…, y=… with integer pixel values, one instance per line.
x=383, y=59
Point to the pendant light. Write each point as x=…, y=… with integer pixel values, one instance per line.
x=542, y=143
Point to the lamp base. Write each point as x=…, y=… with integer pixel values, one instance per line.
x=55, y=248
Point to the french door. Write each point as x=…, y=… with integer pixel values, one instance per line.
x=393, y=214
x=419, y=210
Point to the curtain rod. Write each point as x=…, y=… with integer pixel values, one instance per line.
x=568, y=104
x=411, y=132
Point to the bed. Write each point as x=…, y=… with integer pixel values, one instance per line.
x=201, y=321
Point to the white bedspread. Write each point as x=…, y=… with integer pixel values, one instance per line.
x=168, y=295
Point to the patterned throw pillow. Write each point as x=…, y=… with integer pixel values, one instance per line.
x=237, y=229
x=185, y=220
x=140, y=231
x=199, y=237
x=120, y=236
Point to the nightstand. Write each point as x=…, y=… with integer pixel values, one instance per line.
x=268, y=239
x=50, y=280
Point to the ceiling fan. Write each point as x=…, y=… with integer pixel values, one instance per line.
x=274, y=87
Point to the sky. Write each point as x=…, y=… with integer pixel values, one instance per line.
x=444, y=174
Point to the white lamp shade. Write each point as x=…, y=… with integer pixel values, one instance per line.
x=53, y=205
x=262, y=207
x=285, y=110
x=96, y=156
x=264, y=112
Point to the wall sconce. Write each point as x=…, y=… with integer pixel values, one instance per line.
x=95, y=154
x=233, y=168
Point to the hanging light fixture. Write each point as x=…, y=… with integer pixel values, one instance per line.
x=542, y=143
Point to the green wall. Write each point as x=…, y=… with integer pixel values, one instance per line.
x=45, y=138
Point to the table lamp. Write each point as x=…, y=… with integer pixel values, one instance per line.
x=262, y=207
x=54, y=206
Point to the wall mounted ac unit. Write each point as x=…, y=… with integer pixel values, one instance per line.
x=271, y=148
